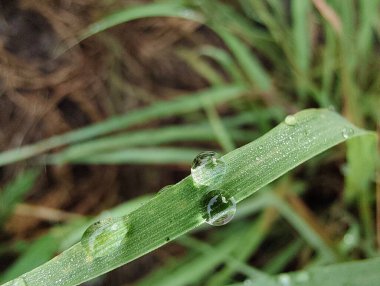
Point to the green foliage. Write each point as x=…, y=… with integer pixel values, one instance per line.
x=14, y=192
x=286, y=58
x=180, y=208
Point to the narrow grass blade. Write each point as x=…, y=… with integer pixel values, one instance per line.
x=149, y=137
x=363, y=273
x=160, y=109
x=14, y=192
x=168, y=9
x=159, y=155
x=40, y=251
x=181, y=208
x=301, y=33
x=247, y=61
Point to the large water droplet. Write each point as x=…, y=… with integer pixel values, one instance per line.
x=207, y=169
x=284, y=279
x=347, y=132
x=220, y=208
x=290, y=120
x=105, y=236
x=19, y=282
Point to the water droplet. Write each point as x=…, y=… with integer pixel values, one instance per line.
x=347, y=132
x=19, y=282
x=284, y=279
x=302, y=277
x=207, y=169
x=290, y=120
x=220, y=208
x=105, y=236
x=331, y=108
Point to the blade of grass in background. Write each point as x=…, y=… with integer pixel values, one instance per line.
x=159, y=155
x=302, y=38
x=149, y=137
x=15, y=191
x=160, y=109
x=180, y=208
x=363, y=273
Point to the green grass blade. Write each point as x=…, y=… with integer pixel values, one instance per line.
x=180, y=208
x=169, y=9
x=159, y=155
x=301, y=33
x=161, y=109
x=149, y=137
x=363, y=273
x=39, y=252
x=251, y=66
x=14, y=192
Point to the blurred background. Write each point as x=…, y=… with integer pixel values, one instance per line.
x=270, y=57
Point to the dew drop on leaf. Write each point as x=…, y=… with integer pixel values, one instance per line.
x=302, y=277
x=290, y=120
x=19, y=282
x=207, y=169
x=219, y=208
x=284, y=280
x=105, y=237
x=347, y=132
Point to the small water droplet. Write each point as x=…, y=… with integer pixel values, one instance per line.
x=290, y=120
x=284, y=279
x=302, y=277
x=105, y=236
x=347, y=132
x=331, y=108
x=207, y=169
x=220, y=208
x=19, y=282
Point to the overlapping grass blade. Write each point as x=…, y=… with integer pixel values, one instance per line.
x=159, y=155
x=149, y=137
x=363, y=273
x=15, y=191
x=180, y=208
x=161, y=109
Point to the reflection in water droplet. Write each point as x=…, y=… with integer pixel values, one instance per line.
x=19, y=282
x=284, y=279
x=290, y=120
x=104, y=237
x=207, y=169
x=220, y=208
x=347, y=132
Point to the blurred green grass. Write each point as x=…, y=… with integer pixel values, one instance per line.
x=287, y=56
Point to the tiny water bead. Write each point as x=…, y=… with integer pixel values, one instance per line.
x=219, y=208
x=290, y=120
x=19, y=282
x=284, y=280
x=207, y=169
x=105, y=236
x=347, y=132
